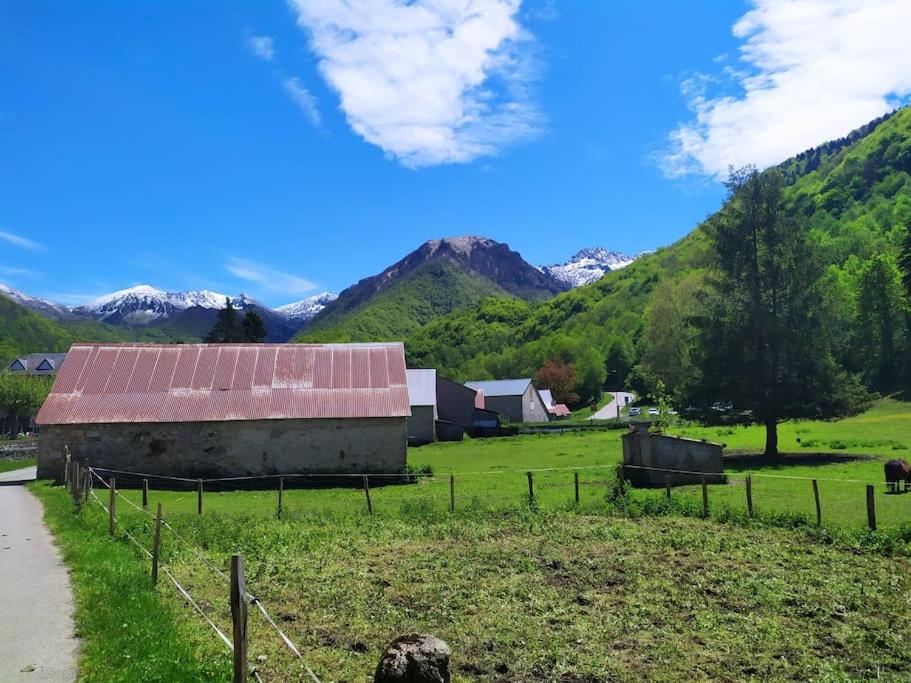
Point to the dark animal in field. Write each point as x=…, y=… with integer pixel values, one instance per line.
x=897, y=471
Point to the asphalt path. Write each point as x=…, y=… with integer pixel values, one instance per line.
x=37, y=641
x=610, y=410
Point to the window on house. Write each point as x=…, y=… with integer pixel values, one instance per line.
x=17, y=365
x=45, y=366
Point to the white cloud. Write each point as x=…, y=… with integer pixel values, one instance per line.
x=20, y=242
x=428, y=81
x=303, y=98
x=19, y=272
x=262, y=47
x=810, y=71
x=269, y=279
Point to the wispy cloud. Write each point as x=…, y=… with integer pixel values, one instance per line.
x=269, y=279
x=21, y=242
x=261, y=47
x=303, y=98
x=430, y=81
x=11, y=271
x=810, y=71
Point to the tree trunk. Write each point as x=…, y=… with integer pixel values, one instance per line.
x=771, y=439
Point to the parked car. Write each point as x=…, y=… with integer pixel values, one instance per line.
x=654, y=412
x=633, y=412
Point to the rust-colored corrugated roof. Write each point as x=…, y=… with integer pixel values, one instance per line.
x=102, y=383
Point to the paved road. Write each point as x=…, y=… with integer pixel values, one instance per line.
x=36, y=605
x=610, y=410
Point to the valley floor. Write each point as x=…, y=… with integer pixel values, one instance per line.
x=620, y=587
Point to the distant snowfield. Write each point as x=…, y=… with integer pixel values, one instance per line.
x=589, y=265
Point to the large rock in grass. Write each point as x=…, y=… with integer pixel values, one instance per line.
x=414, y=658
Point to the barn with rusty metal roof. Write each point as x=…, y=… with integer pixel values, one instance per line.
x=225, y=410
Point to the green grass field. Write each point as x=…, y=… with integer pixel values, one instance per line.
x=8, y=465
x=620, y=587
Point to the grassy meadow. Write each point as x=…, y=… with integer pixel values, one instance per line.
x=9, y=464
x=624, y=586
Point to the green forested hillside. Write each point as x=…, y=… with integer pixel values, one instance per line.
x=428, y=292
x=853, y=196
x=23, y=331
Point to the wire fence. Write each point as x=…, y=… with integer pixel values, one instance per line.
x=840, y=501
x=246, y=596
x=834, y=501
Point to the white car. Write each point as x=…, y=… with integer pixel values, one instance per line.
x=633, y=412
x=654, y=411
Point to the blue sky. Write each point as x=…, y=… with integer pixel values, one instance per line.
x=285, y=148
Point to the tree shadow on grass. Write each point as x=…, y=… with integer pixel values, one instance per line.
x=758, y=461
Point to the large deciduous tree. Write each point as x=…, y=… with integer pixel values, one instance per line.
x=560, y=378
x=21, y=396
x=763, y=351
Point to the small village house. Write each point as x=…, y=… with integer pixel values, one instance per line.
x=422, y=394
x=557, y=411
x=516, y=400
x=220, y=410
x=37, y=364
x=442, y=409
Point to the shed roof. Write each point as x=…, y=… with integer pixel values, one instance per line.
x=104, y=383
x=546, y=397
x=501, y=387
x=422, y=387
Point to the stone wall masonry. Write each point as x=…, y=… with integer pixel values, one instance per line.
x=230, y=449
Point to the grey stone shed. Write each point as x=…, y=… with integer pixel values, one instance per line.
x=650, y=459
x=224, y=410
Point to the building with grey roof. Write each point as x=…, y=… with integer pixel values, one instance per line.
x=516, y=400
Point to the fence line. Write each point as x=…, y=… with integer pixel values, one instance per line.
x=400, y=475
x=250, y=598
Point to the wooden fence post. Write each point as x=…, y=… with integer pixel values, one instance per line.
x=86, y=484
x=818, y=508
x=705, y=498
x=531, y=489
x=452, y=493
x=145, y=494
x=576, y=484
x=621, y=478
x=239, y=618
x=112, y=483
x=156, y=546
x=749, y=495
x=667, y=486
x=281, y=492
x=367, y=494
x=199, y=496
x=66, y=465
x=74, y=483
x=871, y=508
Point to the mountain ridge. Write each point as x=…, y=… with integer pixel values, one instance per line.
x=439, y=276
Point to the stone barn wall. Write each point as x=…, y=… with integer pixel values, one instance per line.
x=230, y=449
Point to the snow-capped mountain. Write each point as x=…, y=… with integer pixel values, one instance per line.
x=589, y=265
x=305, y=309
x=46, y=308
x=144, y=304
